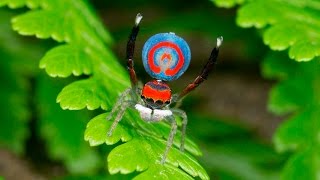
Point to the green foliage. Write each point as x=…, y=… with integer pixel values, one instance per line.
x=63, y=130
x=85, y=53
x=292, y=25
x=58, y=61
x=14, y=86
x=64, y=144
x=228, y=3
x=143, y=149
x=287, y=24
x=86, y=93
x=234, y=152
x=297, y=92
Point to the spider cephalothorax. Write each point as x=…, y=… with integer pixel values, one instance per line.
x=165, y=57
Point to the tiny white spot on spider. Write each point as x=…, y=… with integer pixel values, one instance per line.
x=219, y=41
x=138, y=19
x=149, y=115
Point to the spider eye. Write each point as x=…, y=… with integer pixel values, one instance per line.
x=167, y=102
x=142, y=97
x=159, y=103
x=149, y=100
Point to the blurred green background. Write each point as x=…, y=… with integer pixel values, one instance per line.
x=228, y=113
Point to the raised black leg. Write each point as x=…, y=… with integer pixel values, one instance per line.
x=205, y=71
x=130, y=50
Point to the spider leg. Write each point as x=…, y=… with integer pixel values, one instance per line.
x=171, y=137
x=184, y=116
x=118, y=103
x=130, y=50
x=118, y=118
x=205, y=71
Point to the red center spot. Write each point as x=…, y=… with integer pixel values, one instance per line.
x=166, y=56
x=169, y=72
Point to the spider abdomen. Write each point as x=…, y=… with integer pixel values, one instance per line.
x=152, y=114
x=156, y=94
x=166, y=56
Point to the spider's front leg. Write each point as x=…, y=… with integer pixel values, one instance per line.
x=203, y=76
x=204, y=73
x=124, y=106
x=121, y=104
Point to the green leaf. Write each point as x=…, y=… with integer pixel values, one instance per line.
x=242, y=158
x=62, y=130
x=167, y=172
x=13, y=3
x=143, y=148
x=277, y=65
x=86, y=93
x=64, y=60
x=227, y=3
x=293, y=24
x=283, y=98
x=15, y=71
x=282, y=36
x=304, y=50
x=162, y=130
x=234, y=152
x=136, y=158
x=47, y=23
x=287, y=24
x=97, y=128
x=143, y=151
x=99, y=176
x=297, y=93
x=14, y=120
x=295, y=133
x=42, y=24
x=308, y=160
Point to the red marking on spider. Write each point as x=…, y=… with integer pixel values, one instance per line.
x=156, y=93
x=169, y=72
x=166, y=56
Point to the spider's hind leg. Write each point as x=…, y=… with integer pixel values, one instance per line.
x=173, y=131
x=184, y=117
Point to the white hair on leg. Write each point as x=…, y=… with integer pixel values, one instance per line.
x=219, y=41
x=138, y=19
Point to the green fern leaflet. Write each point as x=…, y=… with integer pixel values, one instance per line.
x=287, y=24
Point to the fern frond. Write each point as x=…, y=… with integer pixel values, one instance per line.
x=84, y=51
x=286, y=24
